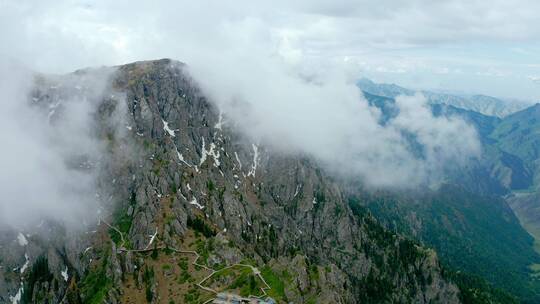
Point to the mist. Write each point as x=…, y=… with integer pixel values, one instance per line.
x=278, y=74
x=50, y=153
x=324, y=115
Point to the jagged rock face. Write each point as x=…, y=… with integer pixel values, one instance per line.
x=181, y=160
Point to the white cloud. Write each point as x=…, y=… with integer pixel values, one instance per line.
x=492, y=73
x=44, y=146
x=535, y=79
x=260, y=55
x=326, y=117
x=107, y=32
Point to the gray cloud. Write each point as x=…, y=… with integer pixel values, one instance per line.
x=50, y=156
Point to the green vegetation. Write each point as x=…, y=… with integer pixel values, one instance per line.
x=184, y=274
x=247, y=283
x=221, y=193
x=155, y=252
x=96, y=284
x=471, y=233
x=374, y=288
x=148, y=279
x=38, y=274
x=210, y=186
x=204, y=247
x=535, y=270
x=475, y=290
x=313, y=273
x=183, y=263
x=392, y=210
x=519, y=134
x=192, y=296
x=158, y=164
x=276, y=283
x=122, y=221
x=200, y=226
x=243, y=280
x=184, y=277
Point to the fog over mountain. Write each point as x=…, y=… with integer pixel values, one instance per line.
x=236, y=151
x=327, y=117
x=52, y=154
x=291, y=104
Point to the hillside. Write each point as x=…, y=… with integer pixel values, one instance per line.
x=470, y=232
x=467, y=219
x=519, y=134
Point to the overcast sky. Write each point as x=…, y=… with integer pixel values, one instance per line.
x=490, y=47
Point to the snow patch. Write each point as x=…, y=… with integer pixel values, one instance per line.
x=65, y=274
x=181, y=158
x=211, y=152
x=167, y=129
x=203, y=151
x=22, y=239
x=26, y=264
x=255, y=160
x=194, y=202
x=296, y=191
x=215, y=153
x=52, y=110
x=219, y=124
x=152, y=238
x=238, y=160
x=17, y=297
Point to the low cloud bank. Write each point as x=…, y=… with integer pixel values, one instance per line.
x=50, y=152
x=325, y=115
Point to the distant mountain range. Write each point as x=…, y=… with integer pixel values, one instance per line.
x=483, y=104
